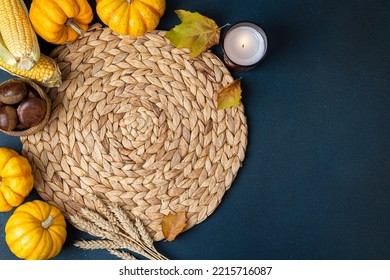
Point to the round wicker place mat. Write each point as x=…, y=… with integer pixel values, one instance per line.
x=135, y=122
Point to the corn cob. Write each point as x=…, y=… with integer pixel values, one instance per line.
x=46, y=72
x=18, y=35
x=5, y=55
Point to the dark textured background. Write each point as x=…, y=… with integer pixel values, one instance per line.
x=315, y=183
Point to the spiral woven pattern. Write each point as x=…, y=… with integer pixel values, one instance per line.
x=135, y=122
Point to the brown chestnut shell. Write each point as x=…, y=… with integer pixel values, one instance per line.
x=32, y=92
x=8, y=118
x=12, y=92
x=30, y=112
x=42, y=94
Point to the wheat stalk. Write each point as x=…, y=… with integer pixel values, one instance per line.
x=116, y=231
x=125, y=223
x=142, y=232
x=103, y=209
x=121, y=254
x=96, y=244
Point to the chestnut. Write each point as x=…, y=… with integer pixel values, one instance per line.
x=8, y=118
x=30, y=112
x=31, y=92
x=12, y=92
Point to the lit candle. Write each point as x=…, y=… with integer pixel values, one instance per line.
x=244, y=46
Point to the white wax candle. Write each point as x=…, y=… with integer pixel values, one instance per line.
x=244, y=45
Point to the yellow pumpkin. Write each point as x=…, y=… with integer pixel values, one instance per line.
x=36, y=231
x=60, y=21
x=131, y=17
x=16, y=179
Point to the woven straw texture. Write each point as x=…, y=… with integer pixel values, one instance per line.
x=135, y=122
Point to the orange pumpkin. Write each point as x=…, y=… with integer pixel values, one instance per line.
x=16, y=179
x=60, y=21
x=36, y=231
x=131, y=17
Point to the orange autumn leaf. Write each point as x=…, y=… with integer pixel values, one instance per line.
x=173, y=225
x=230, y=95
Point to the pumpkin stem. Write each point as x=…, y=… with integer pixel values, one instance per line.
x=47, y=223
x=70, y=22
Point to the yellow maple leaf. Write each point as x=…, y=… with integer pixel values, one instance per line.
x=198, y=33
x=230, y=95
x=173, y=224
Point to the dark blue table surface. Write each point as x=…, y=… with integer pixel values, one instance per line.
x=315, y=183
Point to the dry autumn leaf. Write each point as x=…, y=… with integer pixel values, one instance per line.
x=173, y=225
x=230, y=95
x=198, y=33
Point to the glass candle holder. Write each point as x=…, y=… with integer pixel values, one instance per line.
x=244, y=46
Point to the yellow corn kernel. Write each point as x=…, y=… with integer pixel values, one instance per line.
x=18, y=34
x=46, y=72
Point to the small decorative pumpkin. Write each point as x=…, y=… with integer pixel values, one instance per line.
x=131, y=17
x=16, y=179
x=36, y=231
x=60, y=21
